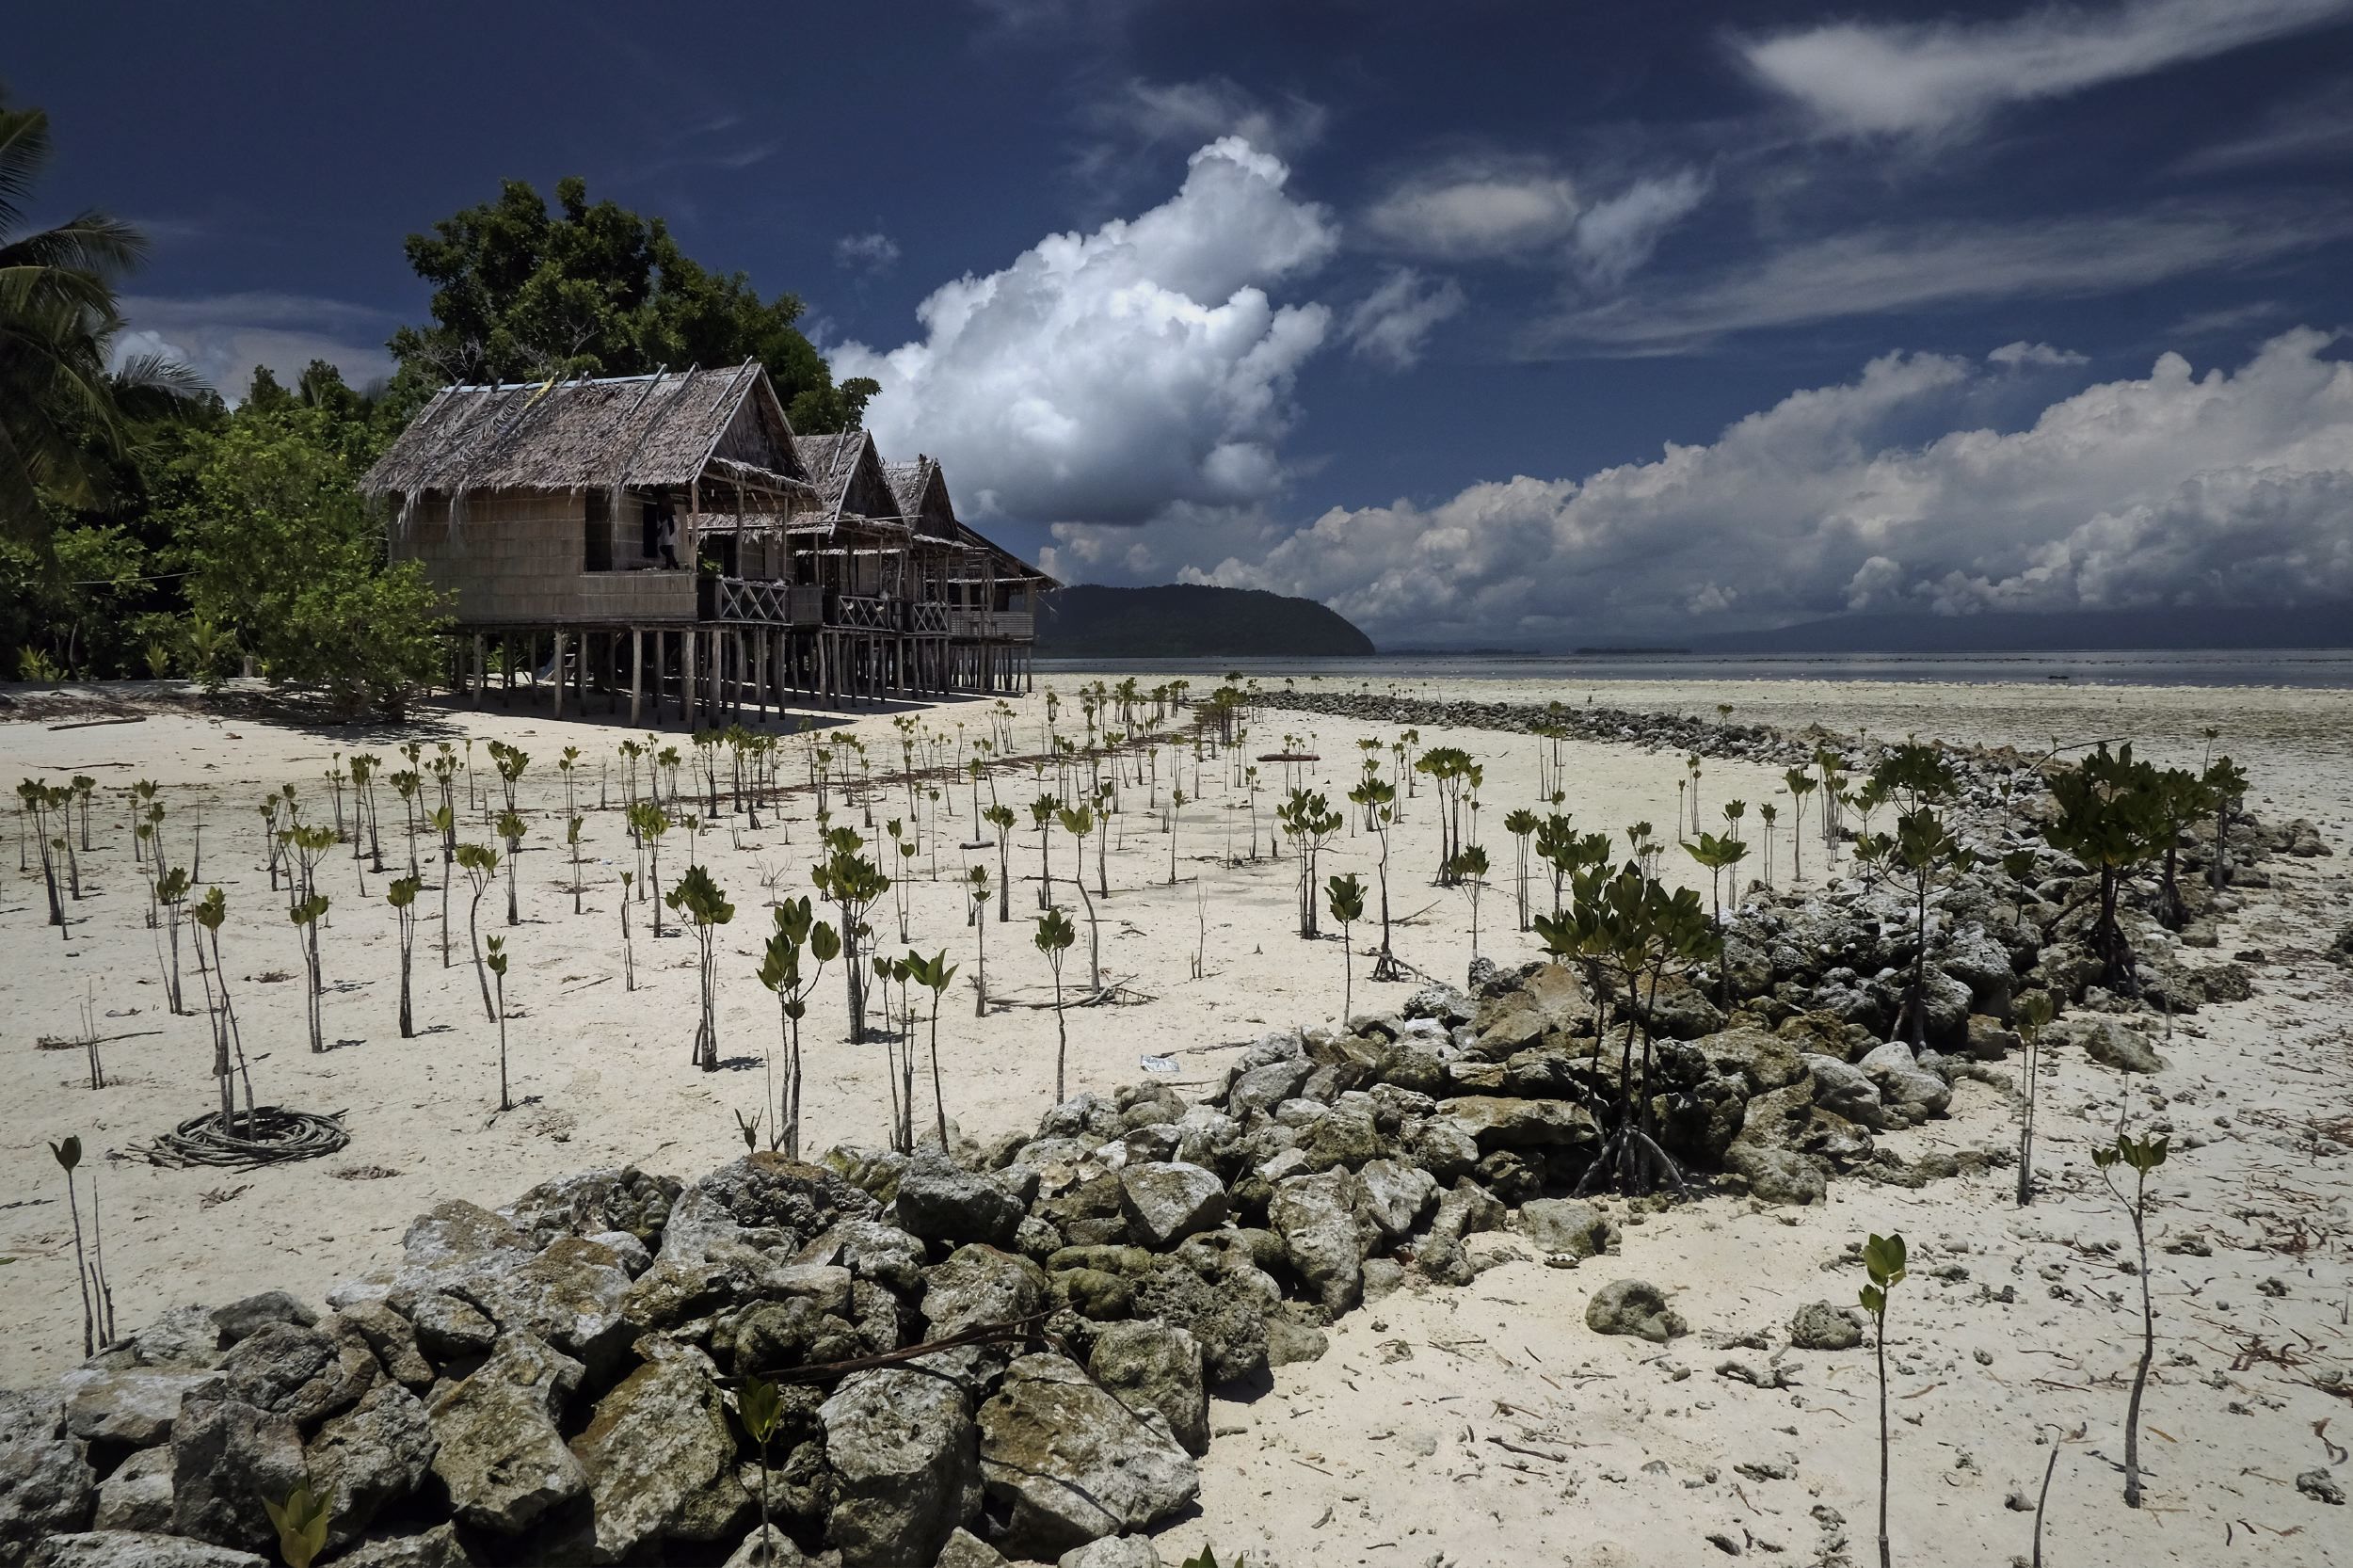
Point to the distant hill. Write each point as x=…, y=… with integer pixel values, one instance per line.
x=2026, y=631
x=1182, y=620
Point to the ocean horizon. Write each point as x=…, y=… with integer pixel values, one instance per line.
x=2290, y=667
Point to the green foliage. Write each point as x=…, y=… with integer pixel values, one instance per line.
x=521, y=293
x=1054, y=935
x=497, y=957
x=286, y=557
x=758, y=1406
x=301, y=1522
x=699, y=899
x=2141, y=1154
x=68, y=1152
x=1345, y=896
x=1884, y=1258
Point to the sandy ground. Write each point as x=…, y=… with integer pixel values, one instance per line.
x=1517, y=1435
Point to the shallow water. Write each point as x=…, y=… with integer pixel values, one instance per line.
x=2299, y=667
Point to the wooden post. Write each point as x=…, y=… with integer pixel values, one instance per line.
x=686, y=670
x=478, y=676
x=636, y=671
x=560, y=639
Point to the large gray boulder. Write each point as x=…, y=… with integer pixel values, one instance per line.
x=1500, y=1122
x=1165, y=1201
x=591, y=1202
x=45, y=1486
x=393, y=1338
x=762, y=1201
x=1845, y=1090
x=226, y=1455
x=181, y=1339
x=137, y=1549
x=941, y=1201
x=655, y=1441
x=1567, y=1226
x=1156, y=1366
x=1112, y=1551
x=2110, y=1042
x=1904, y=1083
x=304, y=1374
x=966, y=1550
x=240, y=1321
x=1325, y=1234
x=439, y=1547
x=138, y=1496
x=1397, y=1196
x=905, y=1451
x=501, y=1457
x=373, y=1456
x=135, y=1407
x=1637, y=1308
x=571, y=1295
x=1066, y=1464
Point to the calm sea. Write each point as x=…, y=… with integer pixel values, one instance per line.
x=2298, y=667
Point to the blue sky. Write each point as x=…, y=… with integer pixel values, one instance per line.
x=1513, y=324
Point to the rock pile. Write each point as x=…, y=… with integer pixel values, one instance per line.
x=1000, y=1352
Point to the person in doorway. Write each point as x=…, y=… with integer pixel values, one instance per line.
x=668, y=540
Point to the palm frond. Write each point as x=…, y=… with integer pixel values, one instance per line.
x=24, y=154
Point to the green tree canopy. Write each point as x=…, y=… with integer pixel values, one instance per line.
x=520, y=293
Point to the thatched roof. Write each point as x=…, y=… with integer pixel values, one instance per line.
x=921, y=489
x=642, y=432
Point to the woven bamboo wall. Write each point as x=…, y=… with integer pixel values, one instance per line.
x=517, y=559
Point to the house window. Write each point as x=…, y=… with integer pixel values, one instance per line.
x=599, y=528
x=649, y=537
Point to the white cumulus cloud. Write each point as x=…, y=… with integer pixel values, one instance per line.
x=2019, y=355
x=2176, y=488
x=1102, y=377
x=1929, y=78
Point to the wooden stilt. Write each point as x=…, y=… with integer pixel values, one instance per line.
x=559, y=674
x=637, y=672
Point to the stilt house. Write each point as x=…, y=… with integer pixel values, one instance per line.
x=670, y=539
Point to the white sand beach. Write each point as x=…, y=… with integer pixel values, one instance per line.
x=1478, y=1425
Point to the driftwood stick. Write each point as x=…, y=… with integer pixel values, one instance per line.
x=987, y=1333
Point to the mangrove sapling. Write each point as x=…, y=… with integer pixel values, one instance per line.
x=1042, y=812
x=480, y=863
x=171, y=892
x=2140, y=1156
x=704, y=907
x=797, y=932
x=629, y=956
x=305, y=917
x=1078, y=823
x=1000, y=818
x=1520, y=825
x=2228, y=786
x=976, y=890
x=498, y=968
x=210, y=911
x=1802, y=784
x=1175, y=811
x=1770, y=815
x=932, y=974
x=97, y=1297
x=1054, y=938
x=444, y=827
x=1378, y=799
x=303, y=1522
x=1625, y=930
x=900, y=889
x=510, y=828
x=2032, y=1012
x=1309, y=821
x=1469, y=874
x=1346, y=896
x=758, y=1408
x=409, y=787
x=2108, y=820
x=854, y=883
x=1718, y=856
x=363, y=771
x=1924, y=850
x=1883, y=1259
x=401, y=896
x=38, y=802
x=650, y=823
x=572, y=842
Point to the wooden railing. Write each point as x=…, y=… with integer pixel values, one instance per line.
x=996, y=625
x=765, y=602
x=925, y=617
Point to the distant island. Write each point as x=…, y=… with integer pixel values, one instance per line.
x=1183, y=621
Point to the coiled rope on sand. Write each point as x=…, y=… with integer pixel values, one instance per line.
x=270, y=1135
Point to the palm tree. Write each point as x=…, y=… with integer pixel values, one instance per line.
x=62, y=414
